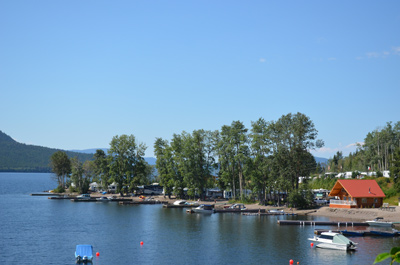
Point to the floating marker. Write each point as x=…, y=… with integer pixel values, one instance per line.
x=291, y=262
x=141, y=242
x=312, y=244
x=97, y=254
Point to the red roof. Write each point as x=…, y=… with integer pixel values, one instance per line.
x=360, y=188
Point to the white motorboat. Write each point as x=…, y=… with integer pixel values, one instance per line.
x=378, y=221
x=332, y=240
x=180, y=202
x=83, y=197
x=276, y=211
x=204, y=208
x=238, y=206
x=102, y=199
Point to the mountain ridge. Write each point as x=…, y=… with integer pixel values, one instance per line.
x=19, y=157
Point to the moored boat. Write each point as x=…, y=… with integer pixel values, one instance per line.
x=102, y=199
x=378, y=221
x=179, y=202
x=392, y=233
x=83, y=253
x=333, y=240
x=352, y=233
x=204, y=208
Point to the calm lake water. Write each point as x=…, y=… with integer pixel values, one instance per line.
x=35, y=230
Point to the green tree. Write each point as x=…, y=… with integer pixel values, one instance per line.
x=78, y=178
x=126, y=161
x=293, y=136
x=163, y=154
x=101, y=168
x=261, y=143
x=61, y=167
x=234, y=152
x=395, y=168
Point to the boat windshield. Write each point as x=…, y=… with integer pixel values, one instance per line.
x=326, y=237
x=340, y=239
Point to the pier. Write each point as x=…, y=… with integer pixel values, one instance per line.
x=361, y=233
x=46, y=194
x=227, y=210
x=180, y=206
x=141, y=202
x=300, y=222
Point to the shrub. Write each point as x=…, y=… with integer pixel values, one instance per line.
x=59, y=189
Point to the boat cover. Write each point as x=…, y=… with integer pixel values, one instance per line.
x=84, y=250
x=341, y=239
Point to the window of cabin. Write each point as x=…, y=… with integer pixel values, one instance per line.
x=364, y=200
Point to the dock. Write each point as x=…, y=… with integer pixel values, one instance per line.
x=227, y=210
x=180, y=206
x=95, y=200
x=140, y=202
x=360, y=233
x=46, y=194
x=314, y=223
x=269, y=214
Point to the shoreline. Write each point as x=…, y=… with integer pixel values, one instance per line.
x=336, y=214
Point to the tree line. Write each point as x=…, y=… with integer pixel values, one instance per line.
x=268, y=157
x=124, y=164
x=379, y=152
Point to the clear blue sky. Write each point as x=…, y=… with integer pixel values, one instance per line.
x=73, y=74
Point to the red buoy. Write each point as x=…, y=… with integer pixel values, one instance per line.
x=312, y=244
x=97, y=254
x=141, y=242
x=291, y=262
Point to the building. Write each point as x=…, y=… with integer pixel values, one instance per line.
x=356, y=193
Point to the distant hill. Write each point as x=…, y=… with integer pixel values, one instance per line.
x=18, y=157
x=321, y=160
x=149, y=160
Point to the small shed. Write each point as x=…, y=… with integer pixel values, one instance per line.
x=356, y=193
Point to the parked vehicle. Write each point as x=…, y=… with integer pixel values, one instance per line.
x=320, y=201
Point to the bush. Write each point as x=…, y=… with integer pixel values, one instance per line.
x=391, y=192
x=301, y=200
x=59, y=189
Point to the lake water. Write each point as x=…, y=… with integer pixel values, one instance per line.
x=35, y=230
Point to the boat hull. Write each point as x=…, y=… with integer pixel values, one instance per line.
x=335, y=246
x=380, y=224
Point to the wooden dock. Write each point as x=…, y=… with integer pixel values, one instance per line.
x=314, y=223
x=227, y=210
x=180, y=206
x=141, y=202
x=46, y=194
x=360, y=233
x=269, y=214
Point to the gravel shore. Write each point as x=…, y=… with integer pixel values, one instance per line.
x=355, y=214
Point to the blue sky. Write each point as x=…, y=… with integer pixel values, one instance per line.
x=73, y=74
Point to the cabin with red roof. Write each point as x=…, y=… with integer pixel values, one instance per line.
x=356, y=193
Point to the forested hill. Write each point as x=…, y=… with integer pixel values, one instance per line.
x=17, y=157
